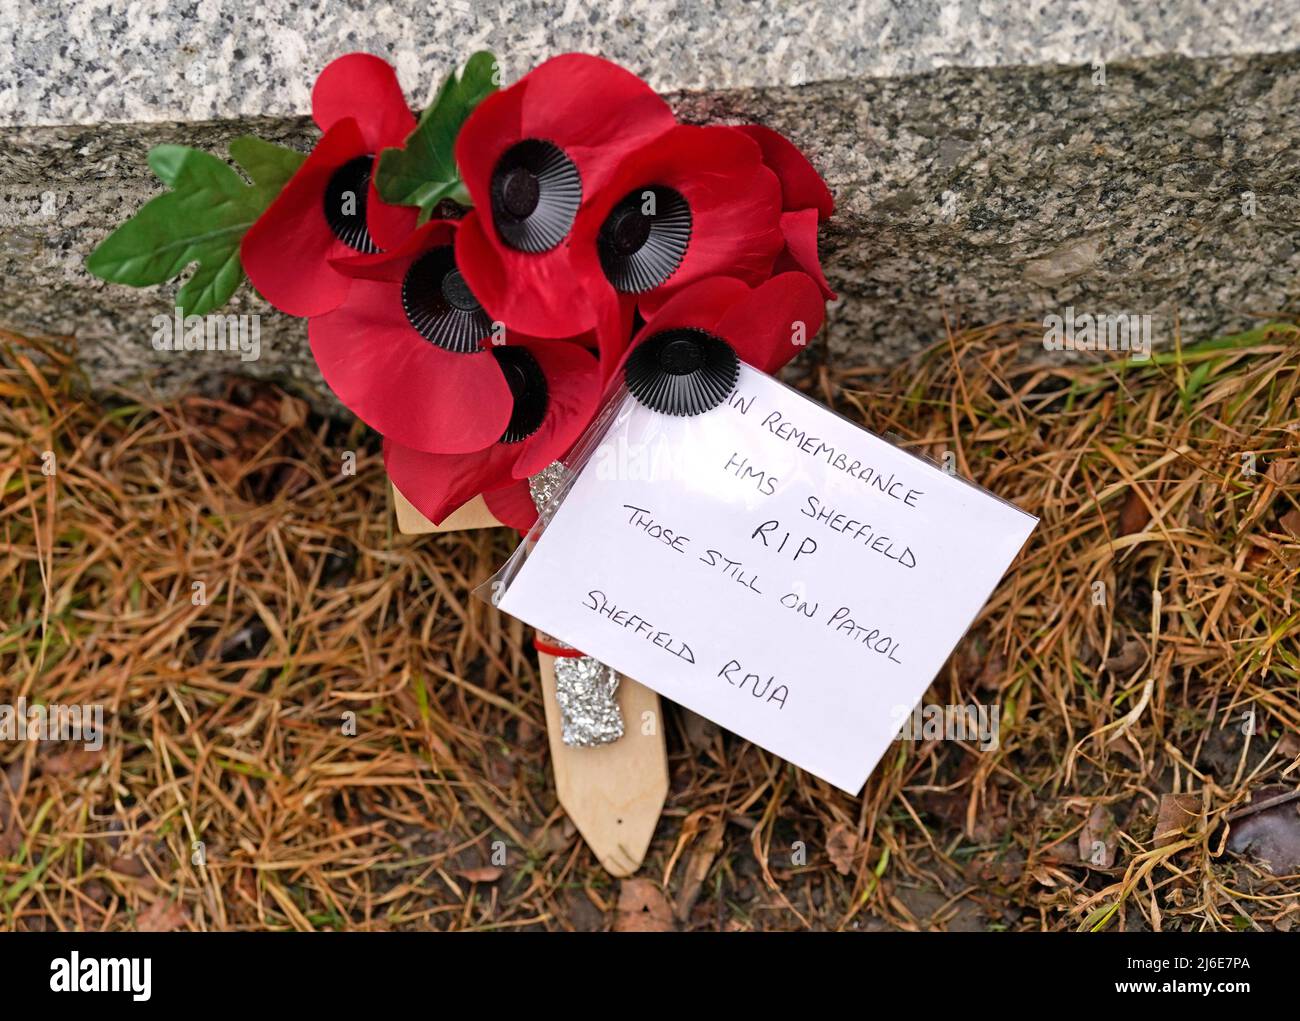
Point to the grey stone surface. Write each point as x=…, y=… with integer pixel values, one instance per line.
x=986, y=194
x=1012, y=193
x=89, y=61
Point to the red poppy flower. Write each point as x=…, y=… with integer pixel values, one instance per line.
x=693, y=203
x=556, y=387
x=330, y=207
x=766, y=325
x=805, y=202
x=406, y=353
x=533, y=157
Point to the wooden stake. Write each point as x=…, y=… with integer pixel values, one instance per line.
x=615, y=793
x=474, y=514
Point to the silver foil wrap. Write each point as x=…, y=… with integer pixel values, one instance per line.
x=547, y=482
x=585, y=688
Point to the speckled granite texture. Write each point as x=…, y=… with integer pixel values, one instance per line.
x=92, y=61
x=989, y=194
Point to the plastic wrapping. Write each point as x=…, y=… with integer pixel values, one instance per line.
x=617, y=405
x=550, y=495
x=766, y=563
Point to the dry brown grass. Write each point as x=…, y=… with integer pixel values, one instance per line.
x=225, y=718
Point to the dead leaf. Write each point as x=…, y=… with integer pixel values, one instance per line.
x=841, y=848
x=1097, y=844
x=994, y=672
x=697, y=869
x=228, y=468
x=642, y=907
x=1272, y=834
x=1134, y=516
x=292, y=411
x=699, y=731
x=1043, y=875
x=1132, y=654
x=96, y=891
x=128, y=866
x=482, y=874
x=549, y=839
x=969, y=655
x=1283, y=470
x=162, y=916
x=1176, y=815
x=581, y=914
x=71, y=763
x=1291, y=522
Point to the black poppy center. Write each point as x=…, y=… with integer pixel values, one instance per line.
x=457, y=292
x=644, y=238
x=628, y=231
x=536, y=191
x=440, y=306
x=345, y=204
x=682, y=372
x=681, y=355
x=527, y=382
x=520, y=192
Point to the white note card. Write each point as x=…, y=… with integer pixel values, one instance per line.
x=770, y=566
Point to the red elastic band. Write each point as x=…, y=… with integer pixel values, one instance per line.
x=558, y=651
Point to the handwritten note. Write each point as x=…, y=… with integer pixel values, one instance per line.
x=772, y=567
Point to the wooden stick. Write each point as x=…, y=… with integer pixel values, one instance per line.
x=615, y=793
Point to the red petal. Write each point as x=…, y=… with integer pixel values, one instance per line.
x=561, y=293
x=702, y=306
x=363, y=87
x=614, y=332
x=401, y=384
x=513, y=505
x=286, y=252
x=573, y=387
x=389, y=225
x=801, y=186
x=800, y=230
x=735, y=202
x=437, y=484
x=393, y=264
x=763, y=326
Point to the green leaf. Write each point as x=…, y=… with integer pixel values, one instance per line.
x=269, y=165
x=201, y=219
x=1195, y=381
x=424, y=172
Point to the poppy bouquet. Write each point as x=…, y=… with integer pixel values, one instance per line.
x=473, y=277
